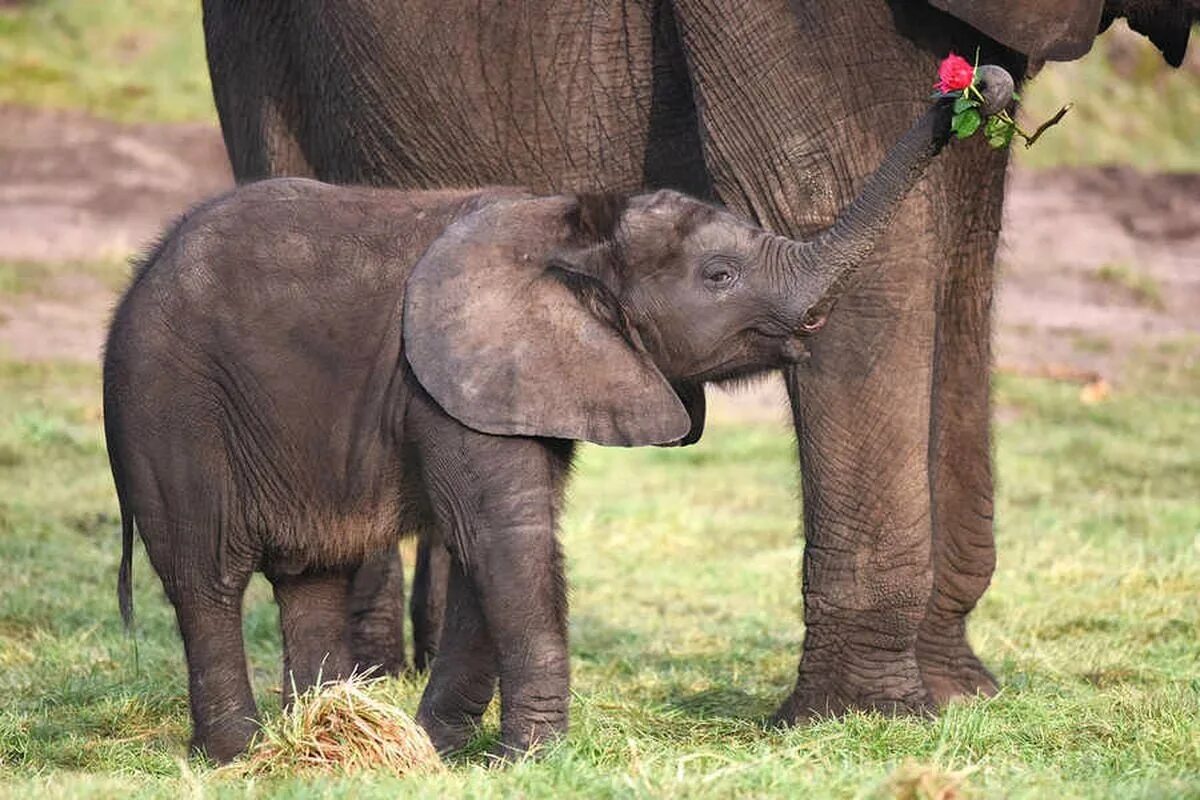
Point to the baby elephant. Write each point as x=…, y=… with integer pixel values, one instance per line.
x=300, y=372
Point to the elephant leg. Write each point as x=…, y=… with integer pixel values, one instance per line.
x=376, y=609
x=313, y=614
x=224, y=716
x=496, y=500
x=788, y=135
x=964, y=548
x=428, y=604
x=523, y=595
x=867, y=572
x=463, y=678
x=252, y=77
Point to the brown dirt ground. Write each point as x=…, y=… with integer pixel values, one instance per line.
x=73, y=188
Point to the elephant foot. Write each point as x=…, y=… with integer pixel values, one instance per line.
x=834, y=694
x=531, y=743
x=449, y=734
x=224, y=743
x=953, y=672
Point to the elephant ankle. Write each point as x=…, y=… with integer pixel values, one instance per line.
x=447, y=739
x=222, y=743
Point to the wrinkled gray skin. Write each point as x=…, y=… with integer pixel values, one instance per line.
x=778, y=110
x=285, y=391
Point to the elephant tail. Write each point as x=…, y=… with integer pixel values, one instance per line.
x=125, y=571
x=116, y=462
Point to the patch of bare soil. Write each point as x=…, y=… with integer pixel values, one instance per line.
x=1094, y=263
x=75, y=188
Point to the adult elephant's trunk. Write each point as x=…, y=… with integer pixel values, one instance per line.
x=816, y=266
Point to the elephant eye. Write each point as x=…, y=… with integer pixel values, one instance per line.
x=720, y=272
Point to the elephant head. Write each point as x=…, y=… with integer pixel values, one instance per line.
x=596, y=317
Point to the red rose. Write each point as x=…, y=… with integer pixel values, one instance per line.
x=954, y=73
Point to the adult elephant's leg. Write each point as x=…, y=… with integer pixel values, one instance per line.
x=964, y=550
x=254, y=87
x=257, y=89
x=861, y=407
x=798, y=102
x=376, y=609
x=428, y=605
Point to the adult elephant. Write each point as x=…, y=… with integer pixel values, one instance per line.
x=778, y=109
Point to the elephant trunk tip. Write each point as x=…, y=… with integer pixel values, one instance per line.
x=996, y=86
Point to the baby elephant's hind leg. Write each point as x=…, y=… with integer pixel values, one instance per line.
x=223, y=711
x=314, y=618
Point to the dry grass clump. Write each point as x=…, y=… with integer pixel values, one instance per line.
x=916, y=781
x=340, y=727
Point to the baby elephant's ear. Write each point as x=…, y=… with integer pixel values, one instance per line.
x=506, y=348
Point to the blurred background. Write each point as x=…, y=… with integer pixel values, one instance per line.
x=107, y=128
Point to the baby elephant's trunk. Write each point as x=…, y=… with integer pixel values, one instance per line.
x=817, y=266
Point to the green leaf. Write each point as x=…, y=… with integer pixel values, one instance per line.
x=963, y=103
x=966, y=123
x=999, y=132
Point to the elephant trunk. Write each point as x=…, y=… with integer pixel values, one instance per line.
x=815, y=267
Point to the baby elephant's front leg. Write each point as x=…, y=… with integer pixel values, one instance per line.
x=496, y=502
x=516, y=568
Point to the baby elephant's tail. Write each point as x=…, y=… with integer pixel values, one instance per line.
x=125, y=572
x=116, y=462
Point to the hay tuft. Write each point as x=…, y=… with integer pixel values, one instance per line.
x=916, y=781
x=340, y=727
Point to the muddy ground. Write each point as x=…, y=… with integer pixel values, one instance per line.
x=1095, y=264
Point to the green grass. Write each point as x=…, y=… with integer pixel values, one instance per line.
x=1089, y=343
x=1141, y=287
x=143, y=60
x=22, y=278
x=1130, y=107
x=685, y=627
x=130, y=60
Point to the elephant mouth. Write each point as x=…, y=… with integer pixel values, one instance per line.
x=813, y=321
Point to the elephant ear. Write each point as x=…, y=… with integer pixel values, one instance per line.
x=1055, y=30
x=692, y=397
x=506, y=346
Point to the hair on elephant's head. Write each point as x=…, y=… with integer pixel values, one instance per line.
x=600, y=317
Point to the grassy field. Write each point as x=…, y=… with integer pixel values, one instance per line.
x=143, y=60
x=685, y=626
